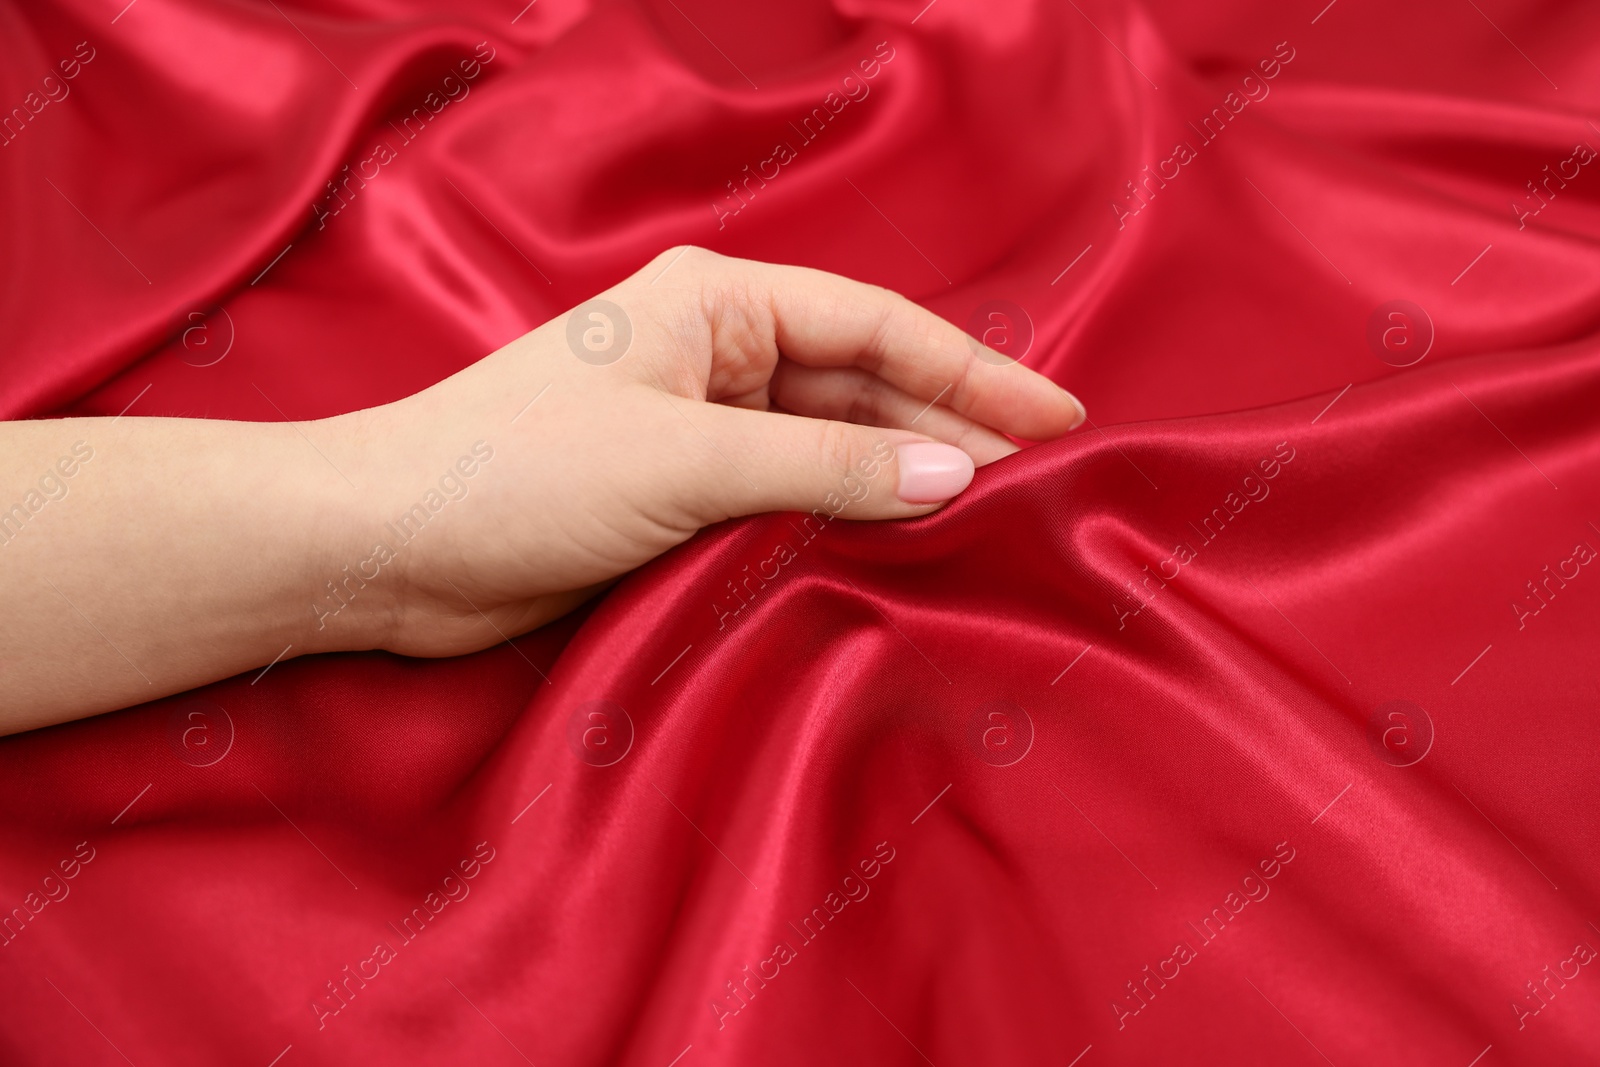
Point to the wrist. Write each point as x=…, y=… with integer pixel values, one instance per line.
x=348, y=594
x=402, y=584
x=401, y=532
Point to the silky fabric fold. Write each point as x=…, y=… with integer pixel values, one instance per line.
x=1251, y=723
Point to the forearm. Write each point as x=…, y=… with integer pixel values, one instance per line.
x=143, y=557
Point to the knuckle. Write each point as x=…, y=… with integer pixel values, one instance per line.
x=886, y=322
x=838, y=446
x=683, y=257
x=688, y=255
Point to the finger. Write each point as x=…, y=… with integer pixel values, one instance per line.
x=832, y=469
x=760, y=310
x=850, y=394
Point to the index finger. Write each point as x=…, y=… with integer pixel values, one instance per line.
x=825, y=320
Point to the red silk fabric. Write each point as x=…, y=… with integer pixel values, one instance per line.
x=1102, y=764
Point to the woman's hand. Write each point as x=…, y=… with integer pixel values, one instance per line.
x=699, y=389
x=141, y=557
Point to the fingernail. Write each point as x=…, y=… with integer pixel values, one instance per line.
x=931, y=472
x=1083, y=412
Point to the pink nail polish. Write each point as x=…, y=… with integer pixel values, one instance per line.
x=931, y=472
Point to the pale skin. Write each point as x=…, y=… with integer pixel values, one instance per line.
x=184, y=551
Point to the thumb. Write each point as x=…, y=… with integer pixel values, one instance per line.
x=781, y=462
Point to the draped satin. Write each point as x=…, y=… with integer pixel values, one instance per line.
x=1101, y=761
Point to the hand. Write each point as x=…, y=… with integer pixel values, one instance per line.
x=146, y=556
x=703, y=388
